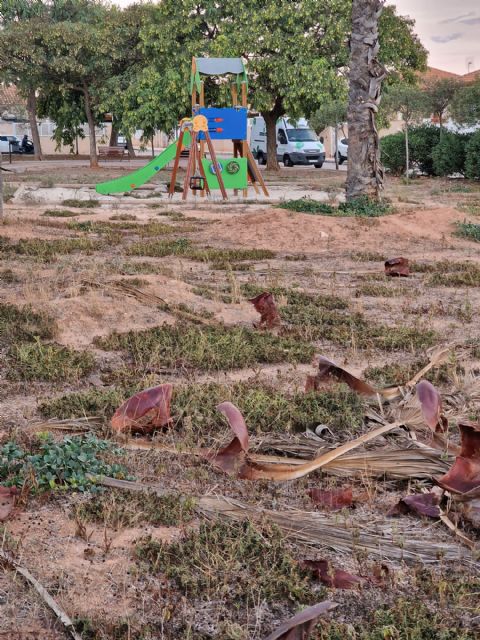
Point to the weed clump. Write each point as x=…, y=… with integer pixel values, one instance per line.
x=364, y=207
x=267, y=409
x=118, y=509
x=80, y=204
x=60, y=213
x=73, y=463
x=232, y=557
x=307, y=205
x=184, y=248
x=205, y=348
x=23, y=323
x=48, y=362
x=397, y=374
x=377, y=290
x=468, y=230
x=297, y=301
x=47, y=250
x=94, y=402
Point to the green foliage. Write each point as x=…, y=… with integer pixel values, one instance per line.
x=423, y=140
x=468, y=230
x=449, y=155
x=233, y=557
x=23, y=323
x=49, y=362
x=73, y=463
x=307, y=205
x=364, y=207
x=472, y=162
x=117, y=509
x=440, y=93
x=392, y=149
x=465, y=107
x=205, y=348
x=331, y=113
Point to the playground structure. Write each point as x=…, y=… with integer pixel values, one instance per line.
x=196, y=134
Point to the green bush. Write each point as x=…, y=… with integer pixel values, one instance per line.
x=364, y=207
x=450, y=153
x=423, y=140
x=307, y=205
x=392, y=149
x=472, y=160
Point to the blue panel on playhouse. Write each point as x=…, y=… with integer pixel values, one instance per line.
x=225, y=124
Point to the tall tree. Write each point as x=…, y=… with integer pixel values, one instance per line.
x=413, y=104
x=465, y=106
x=330, y=114
x=365, y=173
x=440, y=94
x=14, y=67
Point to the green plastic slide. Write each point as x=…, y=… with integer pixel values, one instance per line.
x=141, y=176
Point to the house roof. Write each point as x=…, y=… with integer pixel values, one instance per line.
x=432, y=73
x=9, y=97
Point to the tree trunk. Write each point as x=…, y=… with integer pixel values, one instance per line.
x=407, y=154
x=270, y=118
x=32, y=117
x=130, y=149
x=365, y=173
x=91, y=130
x=113, y=136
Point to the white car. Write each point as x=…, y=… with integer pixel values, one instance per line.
x=342, y=150
x=9, y=141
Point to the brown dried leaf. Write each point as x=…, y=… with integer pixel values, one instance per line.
x=431, y=404
x=329, y=372
x=301, y=625
x=464, y=476
x=232, y=459
x=332, y=499
x=264, y=303
x=422, y=504
x=331, y=577
x=145, y=411
x=397, y=267
x=7, y=501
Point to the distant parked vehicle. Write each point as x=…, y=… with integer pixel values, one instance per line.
x=297, y=143
x=342, y=150
x=9, y=143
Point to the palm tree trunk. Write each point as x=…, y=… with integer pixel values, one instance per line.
x=32, y=118
x=91, y=130
x=365, y=173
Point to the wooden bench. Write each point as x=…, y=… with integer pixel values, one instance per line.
x=112, y=153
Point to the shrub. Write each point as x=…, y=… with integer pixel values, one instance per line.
x=468, y=230
x=472, y=160
x=307, y=205
x=364, y=207
x=449, y=154
x=423, y=140
x=392, y=150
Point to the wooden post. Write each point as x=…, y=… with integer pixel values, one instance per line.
x=216, y=165
x=173, y=179
x=191, y=160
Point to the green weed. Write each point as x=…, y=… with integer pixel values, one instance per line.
x=307, y=205
x=23, y=323
x=49, y=362
x=47, y=250
x=73, y=463
x=231, y=558
x=468, y=230
x=184, y=248
x=364, y=207
x=60, y=213
x=205, y=348
x=94, y=402
x=378, y=290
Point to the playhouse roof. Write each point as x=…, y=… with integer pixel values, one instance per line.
x=217, y=67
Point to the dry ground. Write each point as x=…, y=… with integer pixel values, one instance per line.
x=99, y=567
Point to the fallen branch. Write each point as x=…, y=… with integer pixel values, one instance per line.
x=40, y=589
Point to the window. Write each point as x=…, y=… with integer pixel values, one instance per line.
x=302, y=135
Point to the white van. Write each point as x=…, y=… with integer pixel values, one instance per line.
x=296, y=143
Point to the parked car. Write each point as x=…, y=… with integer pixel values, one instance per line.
x=342, y=150
x=297, y=143
x=9, y=141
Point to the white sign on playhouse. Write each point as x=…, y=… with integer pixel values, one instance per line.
x=297, y=143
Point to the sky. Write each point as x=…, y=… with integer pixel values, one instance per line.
x=448, y=29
